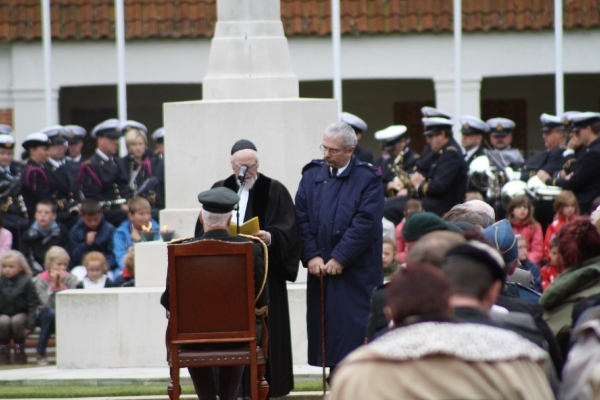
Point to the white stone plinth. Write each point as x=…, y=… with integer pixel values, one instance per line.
x=116, y=328
x=297, y=303
x=151, y=264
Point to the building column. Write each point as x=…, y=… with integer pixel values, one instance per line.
x=470, y=98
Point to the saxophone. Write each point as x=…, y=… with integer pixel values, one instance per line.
x=403, y=181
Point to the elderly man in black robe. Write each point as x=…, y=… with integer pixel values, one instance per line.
x=271, y=202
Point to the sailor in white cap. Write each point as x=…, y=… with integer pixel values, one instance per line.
x=104, y=175
x=159, y=142
x=11, y=202
x=359, y=127
x=583, y=181
x=575, y=148
x=393, y=141
x=445, y=183
x=501, y=137
x=75, y=135
x=58, y=139
x=473, y=130
x=5, y=129
x=35, y=182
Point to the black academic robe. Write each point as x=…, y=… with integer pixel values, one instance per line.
x=270, y=201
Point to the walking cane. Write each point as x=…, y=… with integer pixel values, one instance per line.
x=323, y=334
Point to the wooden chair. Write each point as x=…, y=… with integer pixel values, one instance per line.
x=212, y=301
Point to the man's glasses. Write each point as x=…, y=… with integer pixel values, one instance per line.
x=331, y=151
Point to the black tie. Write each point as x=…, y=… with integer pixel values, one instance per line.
x=334, y=171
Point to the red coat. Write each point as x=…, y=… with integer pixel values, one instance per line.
x=400, y=245
x=534, y=239
x=552, y=232
x=549, y=272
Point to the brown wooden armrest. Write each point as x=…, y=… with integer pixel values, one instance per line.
x=264, y=339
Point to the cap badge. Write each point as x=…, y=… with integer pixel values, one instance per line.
x=499, y=126
x=566, y=121
x=59, y=134
x=466, y=126
x=8, y=144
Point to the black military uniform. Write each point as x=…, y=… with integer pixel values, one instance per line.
x=584, y=182
x=35, y=183
x=12, y=206
x=471, y=127
x=391, y=138
x=72, y=165
x=104, y=177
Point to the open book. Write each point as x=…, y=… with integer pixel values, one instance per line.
x=247, y=228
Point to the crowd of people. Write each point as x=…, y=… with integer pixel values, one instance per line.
x=487, y=296
x=70, y=222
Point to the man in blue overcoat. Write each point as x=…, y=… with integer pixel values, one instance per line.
x=339, y=205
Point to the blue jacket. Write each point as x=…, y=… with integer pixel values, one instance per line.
x=534, y=270
x=103, y=242
x=122, y=242
x=340, y=217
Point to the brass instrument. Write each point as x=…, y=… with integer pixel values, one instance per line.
x=403, y=181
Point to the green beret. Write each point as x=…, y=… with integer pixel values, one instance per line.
x=421, y=223
x=220, y=200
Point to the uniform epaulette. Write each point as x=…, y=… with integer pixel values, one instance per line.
x=314, y=163
x=452, y=148
x=86, y=162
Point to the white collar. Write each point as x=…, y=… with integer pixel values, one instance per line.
x=54, y=163
x=102, y=155
x=469, y=153
x=340, y=170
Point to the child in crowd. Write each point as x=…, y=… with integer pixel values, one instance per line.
x=565, y=207
x=96, y=278
x=129, y=231
x=527, y=265
x=411, y=206
x=554, y=267
x=18, y=306
x=127, y=277
x=520, y=215
x=43, y=234
x=390, y=264
x=6, y=239
x=54, y=279
x=92, y=233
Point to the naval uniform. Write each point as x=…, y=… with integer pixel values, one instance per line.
x=12, y=206
x=584, y=182
x=66, y=194
x=105, y=179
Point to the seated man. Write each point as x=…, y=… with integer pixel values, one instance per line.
x=215, y=216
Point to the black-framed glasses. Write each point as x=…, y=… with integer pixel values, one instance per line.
x=333, y=152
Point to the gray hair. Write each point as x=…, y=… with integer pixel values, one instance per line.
x=254, y=151
x=464, y=213
x=482, y=206
x=213, y=219
x=341, y=130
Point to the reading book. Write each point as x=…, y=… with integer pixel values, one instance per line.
x=247, y=228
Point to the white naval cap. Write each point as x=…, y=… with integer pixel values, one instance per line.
x=585, y=118
x=56, y=133
x=7, y=142
x=550, y=122
x=567, y=122
x=36, y=139
x=430, y=112
x=75, y=133
x=355, y=122
x=130, y=124
x=391, y=135
x=158, y=135
x=111, y=128
x=436, y=124
x=471, y=125
x=501, y=126
x=5, y=129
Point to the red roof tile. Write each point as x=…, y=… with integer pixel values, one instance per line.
x=94, y=19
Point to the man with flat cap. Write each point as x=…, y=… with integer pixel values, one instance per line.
x=217, y=204
x=583, y=181
x=63, y=183
x=270, y=201
x=104, y=176
x=359, y=127
x=500, y=138
x=12, y=206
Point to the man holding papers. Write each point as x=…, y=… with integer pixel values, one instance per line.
x=269, y=201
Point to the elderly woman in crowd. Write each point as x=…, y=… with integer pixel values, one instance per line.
x=579, y=246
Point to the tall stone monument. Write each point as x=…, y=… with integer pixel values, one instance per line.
x=250, y=92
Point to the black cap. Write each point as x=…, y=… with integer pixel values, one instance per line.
x=220, y=200
x=481, y=253
x=243, y=144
